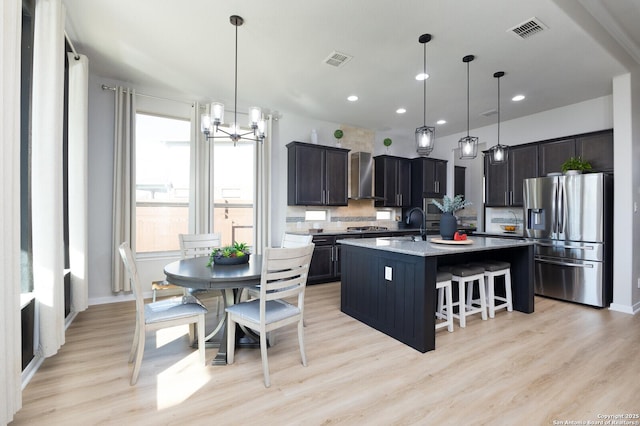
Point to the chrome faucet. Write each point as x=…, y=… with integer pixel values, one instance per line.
x=423, y=224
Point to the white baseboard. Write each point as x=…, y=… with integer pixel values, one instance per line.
x=626, y=309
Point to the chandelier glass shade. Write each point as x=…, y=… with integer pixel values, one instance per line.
x=211, y=123
x=468, y=145
x=425, y=135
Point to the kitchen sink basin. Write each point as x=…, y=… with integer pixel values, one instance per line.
x=403, y=238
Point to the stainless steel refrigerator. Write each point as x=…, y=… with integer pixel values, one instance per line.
x=570, y=219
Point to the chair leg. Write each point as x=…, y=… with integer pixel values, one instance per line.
x=153, y=292
x=201, y=341
x=462, y=306
x=507, y=290
x=301, y=342
x=134, y=343
x=483, y=298
x=265, y=362
x=231, y=339
x=139, y=354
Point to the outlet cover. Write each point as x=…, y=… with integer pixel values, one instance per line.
x=388, y=273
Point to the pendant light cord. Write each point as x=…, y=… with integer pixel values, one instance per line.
x=424, y=83
x=467, y=99
x=235, y=95
x=498, y=111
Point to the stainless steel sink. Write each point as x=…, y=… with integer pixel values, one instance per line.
x=404, y=238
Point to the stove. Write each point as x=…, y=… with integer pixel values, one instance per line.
x=365, y=228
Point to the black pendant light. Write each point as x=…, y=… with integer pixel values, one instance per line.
x=498, y=153
x=468, y=145
x=425, y=135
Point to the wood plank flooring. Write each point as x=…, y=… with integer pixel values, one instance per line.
x=565, y=362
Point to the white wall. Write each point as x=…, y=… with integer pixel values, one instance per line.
x=593, y=115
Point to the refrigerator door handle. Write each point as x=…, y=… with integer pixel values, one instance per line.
x=556, y=262
x=562, y=209
x=566, y=246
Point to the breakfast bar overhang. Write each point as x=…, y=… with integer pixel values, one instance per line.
x=389, y=283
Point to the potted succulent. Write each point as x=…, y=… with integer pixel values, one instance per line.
x=575, y=164
x=234, y=254
x=448, y=222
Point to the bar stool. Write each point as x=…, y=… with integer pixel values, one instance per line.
x=466, y=276
x=443, y=285
x=493, y=269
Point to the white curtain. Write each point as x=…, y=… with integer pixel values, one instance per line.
x=201, y=179
x=78, y=141
x=262, y=218
x=123, y=178
x=46, y=176
x=10, y=352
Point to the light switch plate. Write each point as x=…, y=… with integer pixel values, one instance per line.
x=388, y=273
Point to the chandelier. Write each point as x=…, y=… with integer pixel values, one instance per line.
x=210, y=123
x=425, y=135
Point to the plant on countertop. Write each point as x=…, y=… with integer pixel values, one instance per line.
x=450, y=205
x=235, y=250
x=576, y=163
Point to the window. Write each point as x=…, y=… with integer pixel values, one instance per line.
x=162, y=182
x=233, y=191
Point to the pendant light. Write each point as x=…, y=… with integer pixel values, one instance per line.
x=425, y=135
x=469, y=144
x=498, y=153
x=210, y=123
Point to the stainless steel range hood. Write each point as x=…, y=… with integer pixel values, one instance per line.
x=362, y=177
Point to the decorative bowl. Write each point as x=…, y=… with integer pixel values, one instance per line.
x=231, y=260
x=509, y=228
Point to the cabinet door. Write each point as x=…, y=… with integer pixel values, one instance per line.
x=523, y=164
x=403, y=188
x=495, y=184
x=459, y=181
x=551, y=155
x=306, y=183
x=385, y=181
x=440, y=178
x=336, y=178
x=597, y=149
x=321, y=268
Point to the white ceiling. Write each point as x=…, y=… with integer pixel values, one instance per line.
x=185, y=49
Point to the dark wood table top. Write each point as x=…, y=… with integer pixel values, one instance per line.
x=194, y=273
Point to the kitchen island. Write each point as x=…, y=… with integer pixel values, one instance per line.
x=389, y=283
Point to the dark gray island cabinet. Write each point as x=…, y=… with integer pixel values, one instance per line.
x=389, y=283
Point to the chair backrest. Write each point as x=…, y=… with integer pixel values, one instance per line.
x=194, y=245
x=294, y=240
x=284, y=273
x=132, y=270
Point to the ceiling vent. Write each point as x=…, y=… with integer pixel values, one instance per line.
x=337, y=59
x=528, y=28
x=489, y=113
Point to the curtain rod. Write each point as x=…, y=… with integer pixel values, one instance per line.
x=73, y=49
x=105, y=87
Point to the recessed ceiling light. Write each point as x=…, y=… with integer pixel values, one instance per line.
x=422, y=76
x=401, y=110
x=441, y=122
x=517, y=98
x=352, y=98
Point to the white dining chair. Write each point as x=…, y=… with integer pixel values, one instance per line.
x=284, y=276
x=157, y=315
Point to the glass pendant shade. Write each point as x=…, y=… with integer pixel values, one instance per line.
x=217, y=112
x=255, y=115
x=425, y=136
x=498, y=154
x=205, y=124
x=468, y=146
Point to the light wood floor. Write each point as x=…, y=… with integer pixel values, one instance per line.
x=563, y=362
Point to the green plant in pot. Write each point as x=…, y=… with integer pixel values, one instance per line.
x=448, y=222
x=387, y=142
x=576, y=163
x=234, y=254
x=338, y=134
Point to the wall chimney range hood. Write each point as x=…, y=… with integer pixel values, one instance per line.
x=362, y=176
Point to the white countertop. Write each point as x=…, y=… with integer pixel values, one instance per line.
x=427, y=248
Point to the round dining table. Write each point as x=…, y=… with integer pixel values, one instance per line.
x=195, y=274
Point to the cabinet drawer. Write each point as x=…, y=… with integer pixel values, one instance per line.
x=324, y=240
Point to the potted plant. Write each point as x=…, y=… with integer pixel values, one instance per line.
x=338, y=134
x=234, y=254
x=577, y=164
x=448, y=222
x=387, y=142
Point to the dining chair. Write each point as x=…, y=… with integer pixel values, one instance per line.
x=196, y=245
x=157, y=315
x=284, y=276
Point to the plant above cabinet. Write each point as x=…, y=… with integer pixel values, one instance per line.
x=576, y=163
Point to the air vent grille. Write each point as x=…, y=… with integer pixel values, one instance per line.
x=337, y=59
x=489, y=113
x=528, y=28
